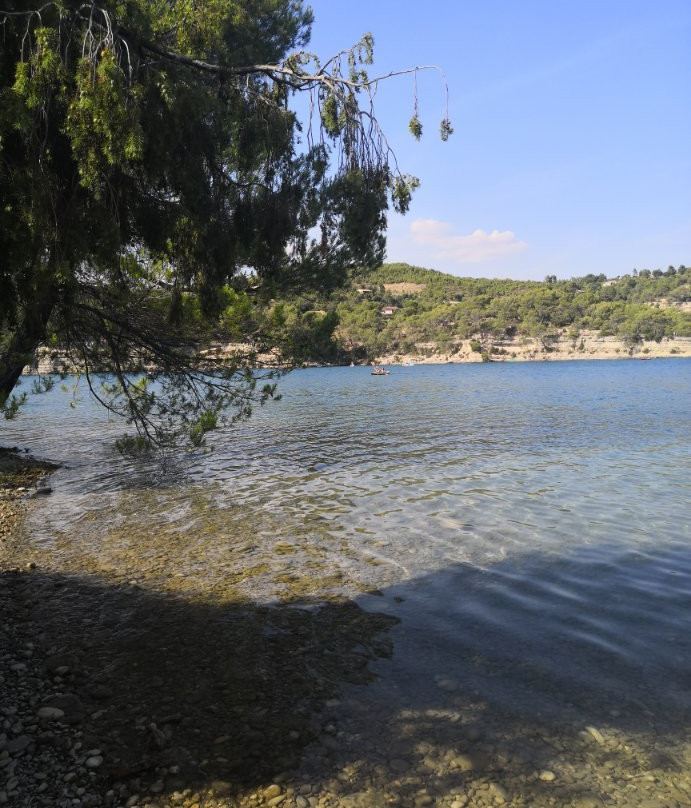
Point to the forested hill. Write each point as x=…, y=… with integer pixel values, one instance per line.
x=397, y=308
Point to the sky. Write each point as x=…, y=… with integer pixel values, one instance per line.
x=572, y=145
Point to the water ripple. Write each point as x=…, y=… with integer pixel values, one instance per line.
x=535, y=516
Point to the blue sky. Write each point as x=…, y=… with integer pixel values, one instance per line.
x=572, y=144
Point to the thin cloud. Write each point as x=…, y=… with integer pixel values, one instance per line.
x=478, y=247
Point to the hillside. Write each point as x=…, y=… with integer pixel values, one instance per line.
x=398, y=311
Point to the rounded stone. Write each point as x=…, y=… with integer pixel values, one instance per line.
x=274, y=790
x=18, y=744
x=50, y=713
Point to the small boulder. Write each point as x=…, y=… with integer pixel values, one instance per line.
x=73, y=709
x=18, y=744
x=50, y=713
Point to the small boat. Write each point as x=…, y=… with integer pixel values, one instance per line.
x=379, y=372
x=645, y=358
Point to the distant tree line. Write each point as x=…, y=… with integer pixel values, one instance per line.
x=444, y=309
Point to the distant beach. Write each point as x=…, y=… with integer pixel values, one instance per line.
x=589, y=345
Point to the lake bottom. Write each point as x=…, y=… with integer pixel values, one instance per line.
x=464, y=587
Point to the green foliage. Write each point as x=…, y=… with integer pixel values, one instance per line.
x=402, y=188
x=12, y=406
x=134, y=446
x=102, y=120
x=159, y=196
x=43, y=384
x=445, y=309
x=415, y=127
x=330, y=115
x=206, y=422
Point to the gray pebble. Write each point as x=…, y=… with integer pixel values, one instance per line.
x=50, y=713
x=18, y=744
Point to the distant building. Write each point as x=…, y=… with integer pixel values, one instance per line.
x=364, y=291
x=388, y=311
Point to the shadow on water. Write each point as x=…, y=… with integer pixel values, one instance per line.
x=492, y=687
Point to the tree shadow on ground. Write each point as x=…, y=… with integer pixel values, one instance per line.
x=545, y=680
x=484, y=698
x=220, y=692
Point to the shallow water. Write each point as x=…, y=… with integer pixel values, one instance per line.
x=526, y=523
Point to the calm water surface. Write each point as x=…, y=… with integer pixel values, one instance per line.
x=528, y=524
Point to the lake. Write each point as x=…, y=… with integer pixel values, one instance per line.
x=521, y=530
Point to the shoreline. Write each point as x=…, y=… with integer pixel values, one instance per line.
x=22, y=478
x=125, y=691
x=589, y=346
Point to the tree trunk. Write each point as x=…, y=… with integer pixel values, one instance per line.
x=26, y=339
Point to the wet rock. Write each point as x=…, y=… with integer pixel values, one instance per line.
x=357, y=799
x=591, y=733
x=93, y=762
x=100, y=692
x=273, y=791
x=499, y=792
x=469, y=761
x=18, y=744
x=70, y=705
x=56, y=661
x=221, y=788
x=50, y=713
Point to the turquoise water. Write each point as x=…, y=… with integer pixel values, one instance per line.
x=528, y=524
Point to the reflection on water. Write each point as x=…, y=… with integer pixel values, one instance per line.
x=527, y=524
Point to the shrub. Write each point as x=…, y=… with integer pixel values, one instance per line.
x=134, y=446
x=207, y=421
